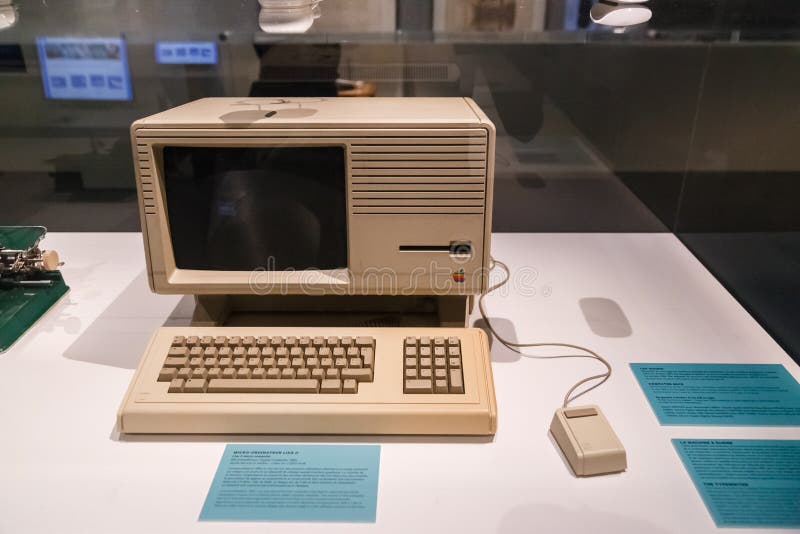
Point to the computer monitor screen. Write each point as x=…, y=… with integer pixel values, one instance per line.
x=239, y=209
x=186, y=52
x=84, y=68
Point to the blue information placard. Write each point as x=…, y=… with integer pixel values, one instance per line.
x=720, y=394
x=186, y=52
x=84, y=68
x=335, y=483
x=746, y=482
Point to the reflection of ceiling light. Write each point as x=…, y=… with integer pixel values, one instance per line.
x=287, y=16
x=620, y=13
x=8, y=14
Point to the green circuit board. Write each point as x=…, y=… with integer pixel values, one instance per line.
x=21, y=305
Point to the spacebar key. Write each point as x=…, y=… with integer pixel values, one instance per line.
x=283, y=385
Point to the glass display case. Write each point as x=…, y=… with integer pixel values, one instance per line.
x=684, y=122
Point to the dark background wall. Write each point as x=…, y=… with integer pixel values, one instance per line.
x=687, y=124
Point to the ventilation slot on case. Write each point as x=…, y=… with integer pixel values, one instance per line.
x=146, y=178
x=443, y=175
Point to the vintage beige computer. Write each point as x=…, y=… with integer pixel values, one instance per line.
x=334, y=247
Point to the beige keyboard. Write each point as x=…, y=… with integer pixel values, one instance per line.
x=232, y=380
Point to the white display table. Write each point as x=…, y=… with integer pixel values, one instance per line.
x=66, y=470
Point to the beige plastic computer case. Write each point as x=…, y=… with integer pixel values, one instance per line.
x=419, y=175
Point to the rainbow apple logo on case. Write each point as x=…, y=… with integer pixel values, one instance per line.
x=458, y=276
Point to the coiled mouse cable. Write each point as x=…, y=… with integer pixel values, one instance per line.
x=516, y=347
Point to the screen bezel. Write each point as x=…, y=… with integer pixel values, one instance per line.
x=311, y=281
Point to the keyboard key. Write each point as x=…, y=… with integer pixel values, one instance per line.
x=456, y=381
x=228, y=373
x=298, y=362
x=276, y=341
x=177, y=352
x=364, y=341
x=283, y=363
x=368, y=357
x=454, y=362
x=326, y=362
x=352, y=352
x=338, y=352
x=263, y=386
x=425, y=373
x=253, y=362
x=281, y=352
x=346, y=341
x=350, y=386
x=267, y=352
x=290, y=342
x=177, y=362
x=453, y=341
x=225, y=352
x=425, y=362
x=410, y=342
x=333, y=385
x=287, y=373
x=199, y=373
x=273, y=373
x=176, y=386
x=411, y=362
x=185, y=373
x=195, y=385
x=318, y=374
x=295, y=352
x=263, y=342
x=249, y=341
x=167, y=374
x=234, y=341
x=424, y=340
x=438, y=342
x=225, y=362
x=439, y=362
x=253, y=352
x=196, y=362
x=440, y=386
x=239, y=362
x=355, y=362
x=214, y=373
x=333, y=341
x=324, y=352
x=425, y=352
x=210, y=362
x=411, y=352
x=244, y=372
x=411, y=373
x=303, y=373
x=332, y=373
x=318, y=342
x=454, y=352
x=418, y=386
x=220, y=341
x=192, y=340
x=340, y=362
x=239, y=352
x=178, y=341
x=359, y=375
x=440, y=374
x=206, y=341
x=259, y=373
x=312, y=363
x=196, y=351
